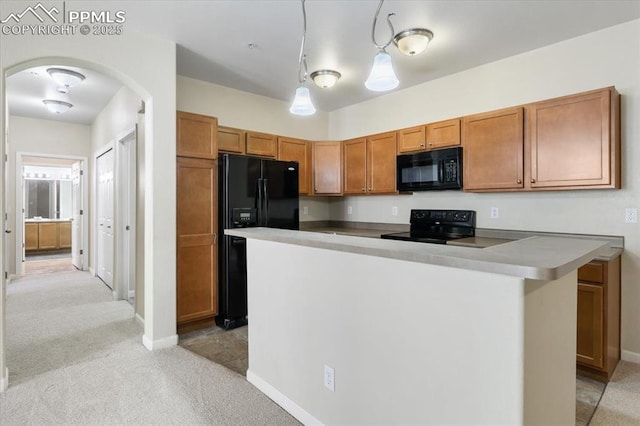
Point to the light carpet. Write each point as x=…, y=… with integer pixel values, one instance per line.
x=75, y=357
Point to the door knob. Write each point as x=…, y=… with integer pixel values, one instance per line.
x=7, y=231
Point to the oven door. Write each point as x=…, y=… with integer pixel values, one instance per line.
x=431, y=170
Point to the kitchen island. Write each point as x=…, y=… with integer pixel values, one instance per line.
x=415, y=333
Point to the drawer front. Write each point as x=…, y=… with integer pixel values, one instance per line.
x=593, y=272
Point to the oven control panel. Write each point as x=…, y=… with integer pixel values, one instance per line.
x=457, y=217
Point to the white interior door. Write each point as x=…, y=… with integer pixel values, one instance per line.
x=104, y=201
x=77, y=216
x=126, y=211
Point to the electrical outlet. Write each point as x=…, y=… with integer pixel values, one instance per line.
x=630, y=215
x=305, y=210
x=394, y=210
x=329, y=378
x=495, y=213
x=349, y=210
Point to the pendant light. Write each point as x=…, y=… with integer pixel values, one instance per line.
x=302, y=104
x=382, y=77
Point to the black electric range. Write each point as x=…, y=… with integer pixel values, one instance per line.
x=437, y=226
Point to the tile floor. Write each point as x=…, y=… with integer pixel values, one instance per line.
x=229, y=348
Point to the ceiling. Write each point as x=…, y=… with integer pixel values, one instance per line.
x=213, y=39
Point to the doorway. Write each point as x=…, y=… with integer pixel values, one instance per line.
x=105, y=165
x=126, y=184
x=50, y=229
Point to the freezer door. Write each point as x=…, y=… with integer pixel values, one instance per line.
x=280, y=191
x=240, y=181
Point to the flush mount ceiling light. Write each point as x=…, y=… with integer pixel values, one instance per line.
x=302, y=104
x=57, y=107
x=382, y=76
x=325, y=78
x=66, y=77
x=413, y=41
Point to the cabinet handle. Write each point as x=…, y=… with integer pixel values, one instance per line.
x=370, y=189
x=533, y=180
x=215, y=238
x=519, y=181
x=364, y=189
x=422, y=144
x=430, y=143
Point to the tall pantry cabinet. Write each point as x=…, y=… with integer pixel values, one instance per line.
x=197, y=220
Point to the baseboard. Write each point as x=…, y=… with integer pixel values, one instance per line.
x=631, y=356
x=279, y=398
x=154, y=345
x=4, y=381
x=132, y=294
x=139, y=319
x=92, y=272
x=114, y=295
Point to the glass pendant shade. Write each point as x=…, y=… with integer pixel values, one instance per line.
x=382, y=77
x=57, y=107
x=302, y=104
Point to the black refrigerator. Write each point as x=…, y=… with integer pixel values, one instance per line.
x=253, y=192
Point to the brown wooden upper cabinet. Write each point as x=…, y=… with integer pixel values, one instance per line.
x=196, y=136
x=370, y=164
x=290, y=149
x=231, y=140
x=432, y=136
x=575, y=141
x=493, y=146
x=355, y=166
x=327, y=168
x=261, y=144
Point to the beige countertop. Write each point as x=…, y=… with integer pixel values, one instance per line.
x=484, y=237
x=538, y=257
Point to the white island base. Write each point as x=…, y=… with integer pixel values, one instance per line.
x=410, y=342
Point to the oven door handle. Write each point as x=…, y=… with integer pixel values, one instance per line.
x=441, y=171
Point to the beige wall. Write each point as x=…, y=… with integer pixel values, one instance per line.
x=235, y=108
x=606, y=58
x=44, y=137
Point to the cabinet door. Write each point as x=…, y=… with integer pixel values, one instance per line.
x=261, y=144
x=493, y=150
x=381, y=163
x=571, y=141
x=590, y=325
x=355, y=166
x=297, y=150
x=197, y=250
x=31, y=236
x=412, y=139
x=196, y=135
x=64, y=234
x=230, y=140
x=327, y=168
x=443, y=133
x=47, y=236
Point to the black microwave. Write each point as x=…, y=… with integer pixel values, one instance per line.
x=430, y=170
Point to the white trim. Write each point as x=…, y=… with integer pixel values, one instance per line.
x=92, y=271
x=282, y=400
x=631, y=356
x=132, y=294
x=4, y=381
x=154, y=345
x=140, y=321
x=19, y=198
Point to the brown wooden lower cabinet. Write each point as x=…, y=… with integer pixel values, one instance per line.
x=197, y=249
x=47, y=235
x=598, y=321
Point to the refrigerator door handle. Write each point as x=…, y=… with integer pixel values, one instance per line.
x=258, y=200
x=265, y=194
